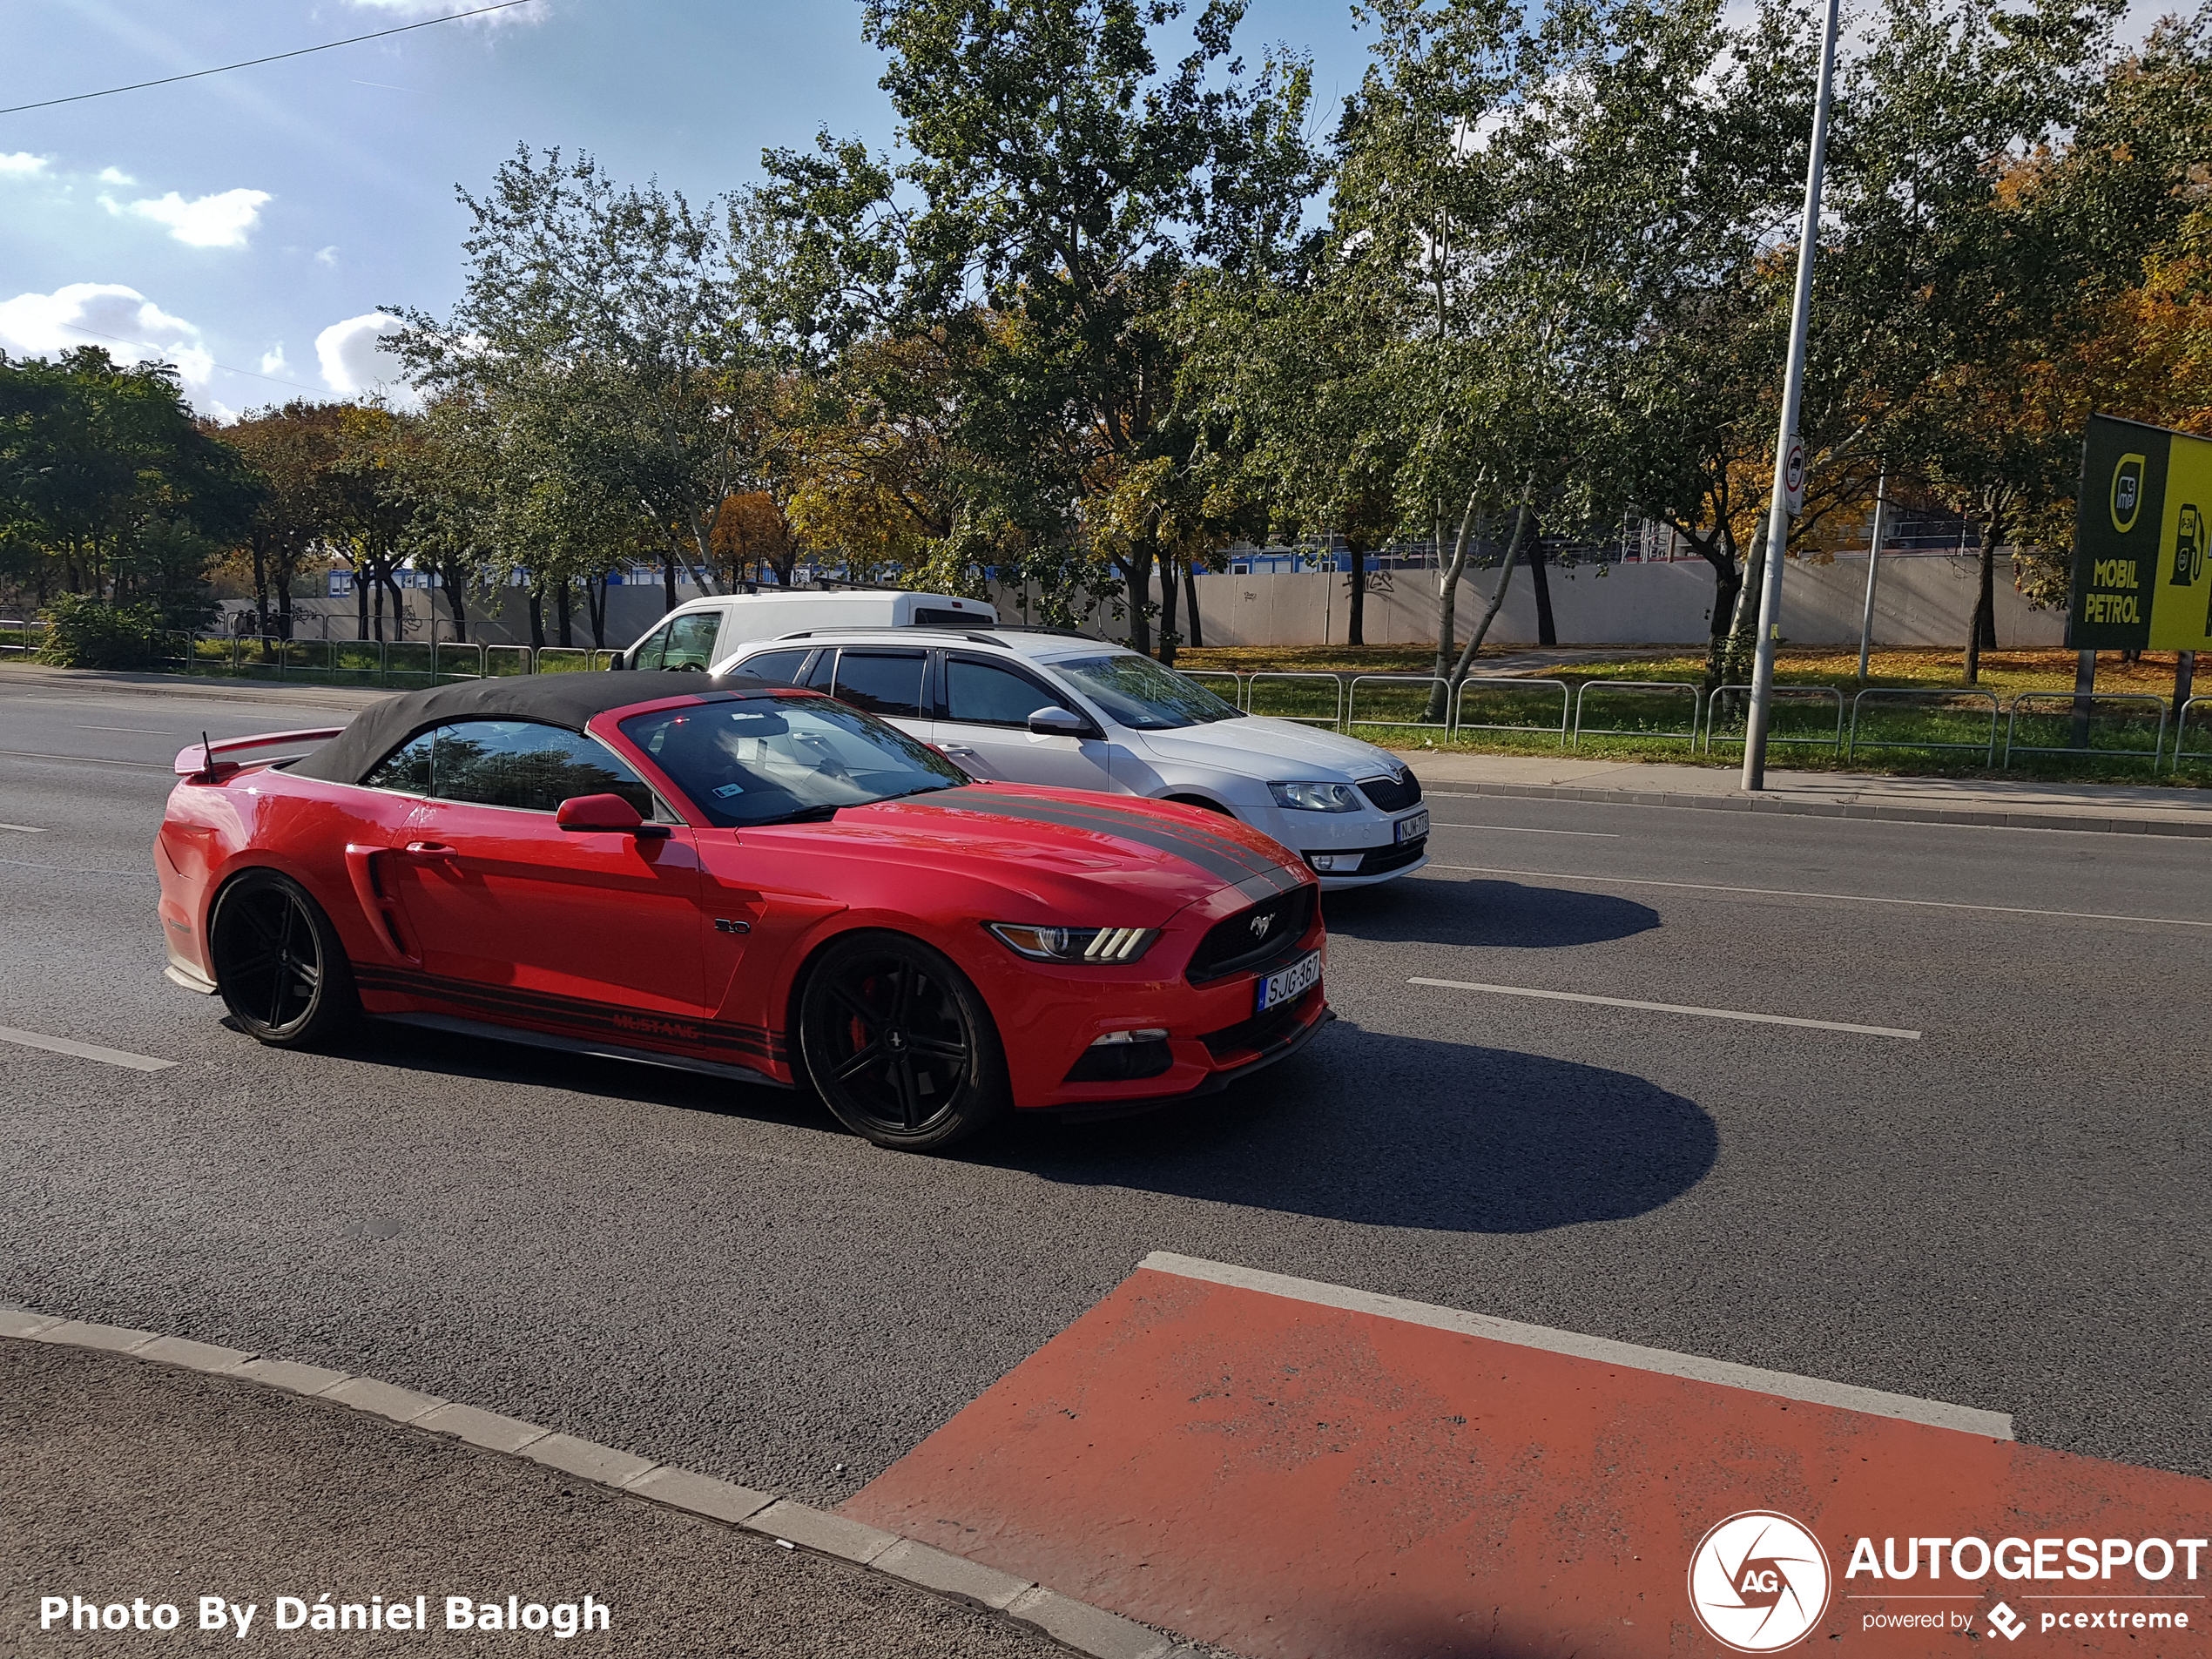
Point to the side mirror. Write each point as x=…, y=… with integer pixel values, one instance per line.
x=605, y=815
x=1056, y=722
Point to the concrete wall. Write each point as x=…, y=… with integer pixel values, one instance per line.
x=630, y=611
x=1920, y=599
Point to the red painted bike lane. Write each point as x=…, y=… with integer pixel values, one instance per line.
x=1351, y=1478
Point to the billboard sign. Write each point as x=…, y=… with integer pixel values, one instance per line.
x=2140, y=580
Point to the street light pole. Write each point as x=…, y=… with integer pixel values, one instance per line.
x=1873, y=565
x=1792, y=392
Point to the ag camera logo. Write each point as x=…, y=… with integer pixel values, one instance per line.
x=1759, y=1582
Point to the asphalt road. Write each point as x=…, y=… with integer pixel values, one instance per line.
x=2010, y=1212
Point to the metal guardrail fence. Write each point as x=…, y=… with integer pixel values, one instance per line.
x=1236, y=682
x=2082, y=722
x=1936, y=700
x=1302, y=693
x=397, y=664
x=1504, y=685
x=1738, y=699
x=1654, y=687
x=1433, y=690
x=2181, y=751
x=1949, y=715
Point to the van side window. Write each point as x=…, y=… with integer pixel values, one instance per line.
x=648, y=652
x=690, y=640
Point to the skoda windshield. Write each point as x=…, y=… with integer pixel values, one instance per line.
x=1141, y=695
x=781, y=760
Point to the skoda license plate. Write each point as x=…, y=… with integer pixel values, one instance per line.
x=1413, y=827
x=1291, y=984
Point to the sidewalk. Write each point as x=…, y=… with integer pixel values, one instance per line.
x=2011, y=803
x=134, y=1481
x=39, y=677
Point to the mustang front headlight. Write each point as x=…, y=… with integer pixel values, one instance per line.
x=1316, y=798
x=1076, y=944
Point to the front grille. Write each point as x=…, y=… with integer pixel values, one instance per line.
x=1232, y=947
x=1392, y=796
x=1394, y=858
x=1263, y=1031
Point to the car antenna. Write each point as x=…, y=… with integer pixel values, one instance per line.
x=206, y=751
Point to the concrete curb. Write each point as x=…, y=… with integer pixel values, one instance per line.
x=1076, y=1625
x=1982, y=816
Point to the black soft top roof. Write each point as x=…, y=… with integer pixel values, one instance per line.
x=558, y=699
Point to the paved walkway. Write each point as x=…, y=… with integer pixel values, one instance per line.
x=133, y=1482
x=2018, y=804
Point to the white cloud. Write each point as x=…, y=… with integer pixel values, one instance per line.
x=220, y=220
x=327, y=256
x=273, y=361
x=23, y=165
x=129, y=324
x=352, y=357
x=114, y=176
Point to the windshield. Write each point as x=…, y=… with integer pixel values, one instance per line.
x=764, y=761
x=1140, y=694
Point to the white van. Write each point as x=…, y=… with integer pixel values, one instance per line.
x=701, y=632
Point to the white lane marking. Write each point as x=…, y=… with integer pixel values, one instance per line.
x=1524, y=829
x=89, y=760
x=1996, y=1426
x=1842, y=897
x=75, y=869
x=23, y=829
x=1668, y=1008
x=143, y=730
x=84, y=1050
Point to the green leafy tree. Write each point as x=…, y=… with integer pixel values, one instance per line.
x=1064, y=183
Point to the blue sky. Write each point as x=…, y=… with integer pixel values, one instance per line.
x=248, y=225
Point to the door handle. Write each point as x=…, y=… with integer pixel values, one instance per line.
x=432, y=850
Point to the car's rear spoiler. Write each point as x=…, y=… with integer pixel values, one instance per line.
x=206, y=762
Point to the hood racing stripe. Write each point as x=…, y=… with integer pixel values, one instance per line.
x=1233, y=863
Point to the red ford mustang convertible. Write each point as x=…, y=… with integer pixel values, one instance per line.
x=752, y=882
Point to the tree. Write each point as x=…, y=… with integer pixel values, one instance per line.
x=1066, y=184
x=108, y=488
x=620, y=305
x=292, y=449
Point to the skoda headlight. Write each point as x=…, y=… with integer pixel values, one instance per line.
x=1316, y=798
x=1096, y=945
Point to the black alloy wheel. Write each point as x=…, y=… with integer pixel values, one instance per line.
x=898, y=1044
x=278, y=963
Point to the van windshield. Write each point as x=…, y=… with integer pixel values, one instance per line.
x=1140, y=694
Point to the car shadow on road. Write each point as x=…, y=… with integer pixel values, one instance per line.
x=1504, y=913
x=1398, y=1131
